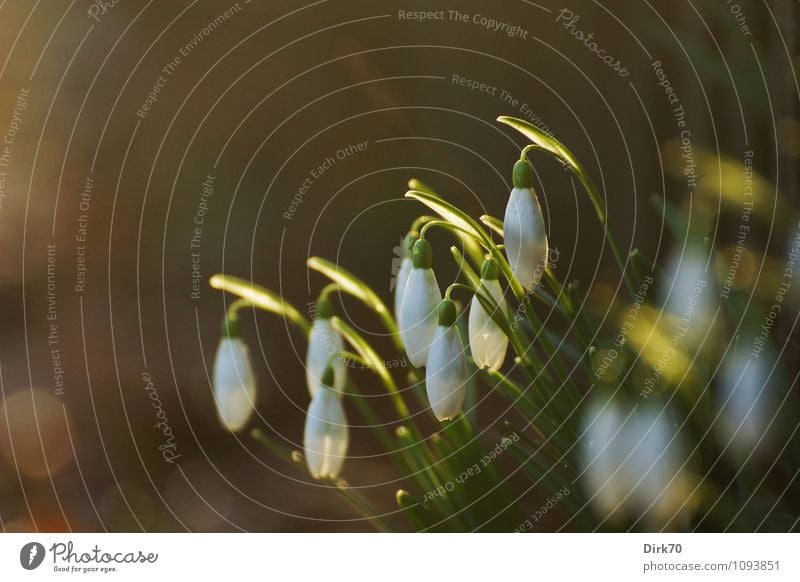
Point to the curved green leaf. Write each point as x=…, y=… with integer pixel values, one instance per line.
x=351, y=284
x=373, y=361
x=494, y=223
x=261, y=297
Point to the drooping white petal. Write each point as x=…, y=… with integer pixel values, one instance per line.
x=487, y=341
x=446, y=374
x=324, y=345
x=326, y=435
x=745, y=399
x=234, y=383
x=400, y=284
x=525, y=237
x=417, y=319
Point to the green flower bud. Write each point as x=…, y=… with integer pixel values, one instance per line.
x=523, y=174
x=422, y=254
x=447, y=313
x=490, y=270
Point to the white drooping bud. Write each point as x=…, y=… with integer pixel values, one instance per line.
x=487, y=341
x=524, y=233
x=326, y=433
x=421, y=298
x=325, y=345
x=234, y=380
x=404, y=272
x=446, y=372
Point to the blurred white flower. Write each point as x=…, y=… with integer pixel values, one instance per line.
x=446, y=372
x=689, y=295
x=744, y=399
x=487, y=341
x=234, y=383
x=404, y=272
x=325, y=345
x=635, y=466
x=524, y=233
x=326, y=434
x=417, y=317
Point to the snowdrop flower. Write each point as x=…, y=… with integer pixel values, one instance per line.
x=744, y=398
x=603, y=454
x=524, y=232
x=324, y=346
x=234, y=380
x=689, y=295
x=325, y=437
x=417, y=317
x=634, y=465
x=446, y=374
x=487, y=341
x=404, y=272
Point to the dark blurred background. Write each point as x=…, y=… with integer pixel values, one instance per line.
x=261, y=97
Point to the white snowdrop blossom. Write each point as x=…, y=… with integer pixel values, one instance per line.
x=326, y=433
x=487, y=341
x=524, y=233
x=405, y=270
x=744, y=397
x=234, y=382
x=446, y=372
x=325, y=345
x=634, y=465
x=417, y=317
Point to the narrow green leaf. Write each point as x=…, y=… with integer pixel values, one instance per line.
x=374, y=362
x=352, y=285
x=494, y=223
x=450, y=213
x=541, y=139
x=412, y=509
x=261, y=297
